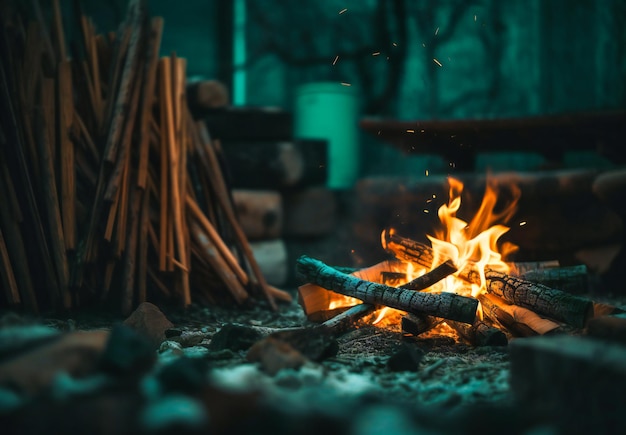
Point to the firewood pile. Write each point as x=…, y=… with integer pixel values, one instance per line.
x=111, y=192
x=534, y=298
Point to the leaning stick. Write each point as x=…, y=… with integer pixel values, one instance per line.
x=221, y=193
x=221, y=268
x=434, y=276
x=548, y=301
x=446, y=305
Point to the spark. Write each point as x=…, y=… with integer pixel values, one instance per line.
x=394, y=44
x=474, y=17
x=437, y=62
x=522, y=223
x=427, y=174
x=342, y=11
x=376, y=53
x=436, y=31
x=345, y=84
x=410, y=131
x=426, y=210
x=336, y=59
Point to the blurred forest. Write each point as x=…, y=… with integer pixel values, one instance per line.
x=409, y=59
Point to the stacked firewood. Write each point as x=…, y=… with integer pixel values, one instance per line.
x=520, y=303
x=111, y=191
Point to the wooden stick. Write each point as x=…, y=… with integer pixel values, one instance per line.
x=149, y=83
x=9, y=283
x=68, y=168
x=520, y=321
x=218, y=264
x=19, y=259
x=550, y=302
x=130, y=264
x=136, y=16
x=446, y=305
x=430, y=278
x=44, y=120
x=142, y=256
x=217, y=241
x=217, y=181
x=164, y=165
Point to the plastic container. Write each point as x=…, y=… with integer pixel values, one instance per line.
x=330, y=111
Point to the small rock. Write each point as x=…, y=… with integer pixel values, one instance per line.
x=184, y=375
x=196, y=351
x=275, y=355
x=149, y=321
x=405, y=359
x=75, y=353
x=127, y=352
x=15, y=339
x=174, y=414
x=236, y=337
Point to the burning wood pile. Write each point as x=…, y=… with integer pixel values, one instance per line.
x=462, y=279
x=111, y=191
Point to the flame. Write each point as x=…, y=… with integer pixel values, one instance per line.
x=475, y=244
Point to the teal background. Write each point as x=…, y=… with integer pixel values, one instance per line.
x=498, y=58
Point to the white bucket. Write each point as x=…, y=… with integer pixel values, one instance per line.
x=329, y=110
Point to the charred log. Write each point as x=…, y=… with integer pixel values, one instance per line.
x=548, y=301
x=446, y=305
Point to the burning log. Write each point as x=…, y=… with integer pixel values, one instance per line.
x=550, y=302
x=419, y=253
x=520, y=321
x=319, y=304
x=446, y=305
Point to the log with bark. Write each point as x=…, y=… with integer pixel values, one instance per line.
x=550, y=302
x=446, y=305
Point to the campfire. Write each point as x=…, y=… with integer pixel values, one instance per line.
x=464, y=279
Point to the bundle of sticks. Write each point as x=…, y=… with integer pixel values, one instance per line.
x=111, y=191
x=517, y=303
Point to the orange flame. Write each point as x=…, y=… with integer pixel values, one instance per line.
x=476, y=243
